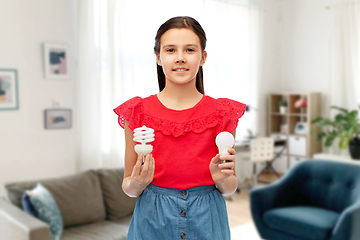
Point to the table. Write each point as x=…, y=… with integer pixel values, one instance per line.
x=244, y=169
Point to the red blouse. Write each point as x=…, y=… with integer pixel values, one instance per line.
x=184, y=139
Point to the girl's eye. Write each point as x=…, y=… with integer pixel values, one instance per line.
x=170, y=50
x=190, y=50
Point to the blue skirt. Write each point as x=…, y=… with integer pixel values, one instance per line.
x=164, y=213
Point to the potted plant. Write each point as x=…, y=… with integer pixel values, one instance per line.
x=346, y=126
x=282, y=106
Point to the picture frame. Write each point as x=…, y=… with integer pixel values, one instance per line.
x=58, y=118
x=56, y=61
x=301, y=128
x=9, y=98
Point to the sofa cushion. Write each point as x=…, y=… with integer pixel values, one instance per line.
x=28, y=206
x=307, y=222
x=47, y=209
x=117, y=203
x=104, y=230
x=78, y=196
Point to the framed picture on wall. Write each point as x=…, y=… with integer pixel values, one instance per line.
x=56, y=61
x=58, y=118
x=9, y=99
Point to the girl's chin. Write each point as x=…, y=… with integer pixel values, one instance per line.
x=183, y=78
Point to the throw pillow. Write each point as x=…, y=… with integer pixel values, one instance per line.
x=27, y=205
x=47, y=209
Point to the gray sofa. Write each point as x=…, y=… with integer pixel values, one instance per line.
x=92, y=204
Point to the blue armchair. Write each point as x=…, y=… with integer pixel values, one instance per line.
x=314, y=200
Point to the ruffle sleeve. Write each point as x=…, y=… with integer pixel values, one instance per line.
x=131, y=111
x=229, y=112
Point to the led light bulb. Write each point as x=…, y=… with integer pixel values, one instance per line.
x=143, y=135
x=224, y=141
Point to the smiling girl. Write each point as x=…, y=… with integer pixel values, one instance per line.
x=180, y=196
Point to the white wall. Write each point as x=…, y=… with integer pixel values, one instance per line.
x=305, y=50
x=27, y=150
x=271, y=47
x=296, y=54
x=305, y=29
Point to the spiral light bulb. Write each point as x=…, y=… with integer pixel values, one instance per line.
x=224, y=141
x=143, y=135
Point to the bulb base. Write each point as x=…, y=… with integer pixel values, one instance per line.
x=225, y=161
x=145, y=149
x=223, y=151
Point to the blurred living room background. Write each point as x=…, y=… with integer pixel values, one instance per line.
x=255, y=47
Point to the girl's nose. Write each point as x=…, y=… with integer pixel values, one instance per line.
x=180, y=59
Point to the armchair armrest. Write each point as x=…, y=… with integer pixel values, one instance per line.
x=347, y=227
x=17, y=224
x=264, y=198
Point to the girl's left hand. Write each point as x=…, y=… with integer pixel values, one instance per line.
x=221, y=171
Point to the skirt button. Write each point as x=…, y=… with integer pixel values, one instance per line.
x=183, y=213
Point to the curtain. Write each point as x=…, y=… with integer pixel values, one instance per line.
x=344, y=89
x=115, y=62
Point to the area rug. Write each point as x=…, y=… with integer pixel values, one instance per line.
x=245, y=231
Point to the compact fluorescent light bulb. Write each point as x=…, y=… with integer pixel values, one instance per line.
x=143, y=135
x=224, y=141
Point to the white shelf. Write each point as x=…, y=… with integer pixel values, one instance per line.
x=333, y=157
x=300, y=145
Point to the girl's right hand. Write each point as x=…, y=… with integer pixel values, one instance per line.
x=143, y=176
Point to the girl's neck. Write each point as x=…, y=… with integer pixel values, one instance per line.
x=179, y=98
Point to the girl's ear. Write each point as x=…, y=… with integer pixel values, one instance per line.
x=203, y=58
x=158, y=60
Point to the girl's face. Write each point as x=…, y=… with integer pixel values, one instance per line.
x=180, y=55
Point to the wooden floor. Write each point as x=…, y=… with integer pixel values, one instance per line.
x=238, y=206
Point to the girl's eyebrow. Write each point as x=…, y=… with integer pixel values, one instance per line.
x=169, y=45
x=192, y=45
x=187, y=45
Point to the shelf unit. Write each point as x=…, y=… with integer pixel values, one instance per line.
x=294, y=126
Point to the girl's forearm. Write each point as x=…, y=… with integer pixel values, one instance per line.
x=132, y=188
x=227, y=186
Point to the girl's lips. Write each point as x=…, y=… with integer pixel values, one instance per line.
x=180, y=70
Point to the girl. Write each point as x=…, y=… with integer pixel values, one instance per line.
x=180, y=195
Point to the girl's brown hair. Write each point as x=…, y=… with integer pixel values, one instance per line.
x=181, y=22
